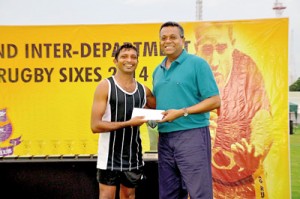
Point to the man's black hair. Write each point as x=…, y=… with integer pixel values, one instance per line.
x=173, y=24
x=126, y=46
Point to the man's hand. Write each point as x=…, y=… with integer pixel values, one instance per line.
x=171, y=115
x=137, y=121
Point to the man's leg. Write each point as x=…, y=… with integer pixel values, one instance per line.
x=193, y=155
x=108, y=181
x=129, y=181
x=126, y=192
x=107, y=191
x=170, y=182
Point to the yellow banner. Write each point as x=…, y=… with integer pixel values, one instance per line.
x=48, y=75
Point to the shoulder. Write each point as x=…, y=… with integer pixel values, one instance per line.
x=105, y=82
x=144, y=87
x=196, y=59
x=141, y=87
x=197, y=63
x=102, y=91
x=147, y=90
x=103, y=86
x=157, y=68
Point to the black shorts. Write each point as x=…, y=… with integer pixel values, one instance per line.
x=129, y=179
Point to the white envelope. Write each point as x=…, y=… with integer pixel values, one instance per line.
x=149, y=114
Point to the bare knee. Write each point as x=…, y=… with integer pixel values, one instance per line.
x=126, y=192
x=107, y=192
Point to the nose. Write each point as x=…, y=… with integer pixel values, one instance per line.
x=129, y=59
x=214, y=60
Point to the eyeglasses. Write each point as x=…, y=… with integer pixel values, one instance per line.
x=208, y=49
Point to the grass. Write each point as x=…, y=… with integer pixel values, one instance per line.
x=295, y=162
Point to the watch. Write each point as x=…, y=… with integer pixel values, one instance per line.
x=185, y=112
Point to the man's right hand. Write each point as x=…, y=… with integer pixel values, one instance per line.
x=137, y=121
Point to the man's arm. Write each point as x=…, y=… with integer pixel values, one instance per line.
x=206, y=105
x=151, y=101
x=98, y=110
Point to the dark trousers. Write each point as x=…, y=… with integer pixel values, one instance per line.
x=184, y=164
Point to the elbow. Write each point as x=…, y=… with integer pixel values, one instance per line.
x=97, y=126
x=95, y=129
x=217, y=103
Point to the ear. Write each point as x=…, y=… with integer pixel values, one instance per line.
x=183, y=41
x=115, y=61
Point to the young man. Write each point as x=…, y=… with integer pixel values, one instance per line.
x=185, y=87
x=119, y=150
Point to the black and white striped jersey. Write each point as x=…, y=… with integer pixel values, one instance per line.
x=121, y=149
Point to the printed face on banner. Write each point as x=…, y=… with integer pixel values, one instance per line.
x=215, y=44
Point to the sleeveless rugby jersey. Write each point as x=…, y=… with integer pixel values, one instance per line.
x=121, y=149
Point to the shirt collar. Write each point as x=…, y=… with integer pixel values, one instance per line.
x=179, y=59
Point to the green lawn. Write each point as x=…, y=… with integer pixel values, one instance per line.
x=295, y=162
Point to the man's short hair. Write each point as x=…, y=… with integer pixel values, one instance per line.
x=173, y=24
x=125, y=46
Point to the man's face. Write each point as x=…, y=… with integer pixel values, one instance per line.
x=127, y=60
x=214, y=45
x=171, y=43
